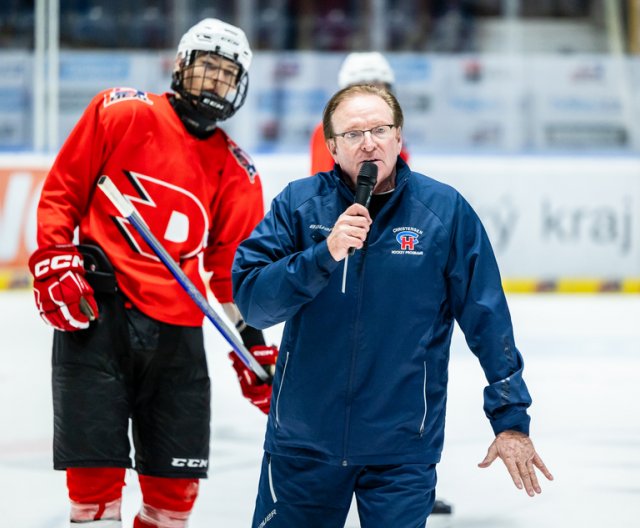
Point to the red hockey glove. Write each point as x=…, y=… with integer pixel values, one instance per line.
x=63, y=296
x=255, y=390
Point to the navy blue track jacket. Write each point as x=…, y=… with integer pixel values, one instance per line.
x=362, y=376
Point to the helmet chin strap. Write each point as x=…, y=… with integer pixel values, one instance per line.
x=195, y=123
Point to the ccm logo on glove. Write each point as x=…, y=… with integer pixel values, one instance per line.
x=57, y=263
x=63, y=297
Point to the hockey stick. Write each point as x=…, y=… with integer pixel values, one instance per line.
x=126, y=209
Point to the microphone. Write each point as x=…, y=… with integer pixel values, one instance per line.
x=366, y=181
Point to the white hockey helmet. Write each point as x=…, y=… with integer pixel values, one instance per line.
x=219, y=38
x=367, y=67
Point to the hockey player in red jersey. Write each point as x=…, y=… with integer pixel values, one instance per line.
x=357, y=68
x=128, y=344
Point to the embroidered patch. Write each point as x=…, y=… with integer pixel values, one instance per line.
x=244, y=160
x=118, y=95
x=408, y=239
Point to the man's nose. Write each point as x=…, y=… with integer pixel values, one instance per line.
x=367, y=141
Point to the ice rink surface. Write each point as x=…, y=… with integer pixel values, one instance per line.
x=582, y=357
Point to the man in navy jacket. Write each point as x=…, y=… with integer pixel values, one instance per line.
x=360, y=387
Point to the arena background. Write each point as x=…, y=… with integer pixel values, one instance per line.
x=530, y=109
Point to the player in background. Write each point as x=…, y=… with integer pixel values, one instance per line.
x=361, y=68
x=357, y=68
x=128, y=341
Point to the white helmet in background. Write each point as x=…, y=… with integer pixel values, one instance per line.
x=365, y=68
x=218, y=38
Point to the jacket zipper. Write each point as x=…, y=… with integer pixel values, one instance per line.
x=284, y=373
x=424, y=396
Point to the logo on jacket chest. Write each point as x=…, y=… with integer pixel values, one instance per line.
x=408, y=241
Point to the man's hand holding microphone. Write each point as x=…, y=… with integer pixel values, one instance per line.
x=350, y=230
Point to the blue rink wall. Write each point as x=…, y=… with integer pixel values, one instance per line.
x=565, y=224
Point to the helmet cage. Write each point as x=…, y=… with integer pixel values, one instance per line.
x=210, y=104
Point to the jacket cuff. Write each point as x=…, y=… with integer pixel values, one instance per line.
x=517, y=420
x=323, y=257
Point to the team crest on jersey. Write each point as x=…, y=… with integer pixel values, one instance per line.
x=244, y=160
x=117, y=95
x=177, y=215
x=408, y=239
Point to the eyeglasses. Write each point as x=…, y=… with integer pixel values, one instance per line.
x=356, y=136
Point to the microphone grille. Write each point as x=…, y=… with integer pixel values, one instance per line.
x=369, y=172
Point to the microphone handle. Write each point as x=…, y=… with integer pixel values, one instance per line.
x=363, y=197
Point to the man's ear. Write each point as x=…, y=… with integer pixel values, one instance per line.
x=331, y=145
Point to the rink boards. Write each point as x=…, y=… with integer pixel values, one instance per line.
x=563, y=224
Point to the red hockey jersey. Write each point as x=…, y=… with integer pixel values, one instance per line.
x=200, y=198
